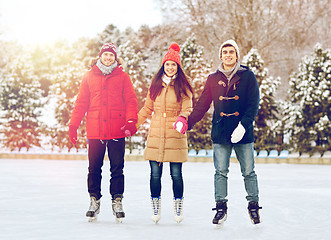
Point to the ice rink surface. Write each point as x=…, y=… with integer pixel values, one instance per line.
x=47, y=199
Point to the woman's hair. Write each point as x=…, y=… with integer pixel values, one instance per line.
x=181, y=84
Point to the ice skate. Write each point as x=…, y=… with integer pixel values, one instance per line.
x=253, y=211
x=94, y=209
x=156, y=207
x=118, y=208
x=221, y=213
x=178, y=209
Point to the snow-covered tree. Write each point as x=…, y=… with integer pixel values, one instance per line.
x=135, y=66
x=69, y=63
x=21, y=103
x=65, y=89
x=197, y=70
x=265, y=122
x=308, y=111
x=110, y=34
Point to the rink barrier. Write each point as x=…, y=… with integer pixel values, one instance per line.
x=139, y=157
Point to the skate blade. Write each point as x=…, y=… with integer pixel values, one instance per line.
x=178, y=219
x=220, y=223
x=119, y=216
x=219, y=226
x=93, y=219
x=156, y=218
x=255, y=223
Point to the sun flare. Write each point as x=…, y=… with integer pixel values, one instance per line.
x=40, y=21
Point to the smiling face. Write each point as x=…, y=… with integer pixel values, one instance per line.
x=170, y=68
x=229, y=57
x=107, y=58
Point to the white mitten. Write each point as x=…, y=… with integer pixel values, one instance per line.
x=179, y=126
x=238, y=133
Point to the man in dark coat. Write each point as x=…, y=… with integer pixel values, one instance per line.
x=234, y=92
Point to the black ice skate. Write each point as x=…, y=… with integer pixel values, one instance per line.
x=94, y=209
x=118, y=208
x=253, y=211
x=221, y=213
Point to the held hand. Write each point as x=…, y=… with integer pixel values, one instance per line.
x=181, y=125
x=238, y=133
x=129, y=128
x=73, y=134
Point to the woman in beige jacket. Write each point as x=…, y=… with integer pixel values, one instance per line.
x=169, y=103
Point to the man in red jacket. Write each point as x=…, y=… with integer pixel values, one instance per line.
x=107, y=98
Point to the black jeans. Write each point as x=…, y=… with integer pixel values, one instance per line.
x=96, y=153
x=176, y=176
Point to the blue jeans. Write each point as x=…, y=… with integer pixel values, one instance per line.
x=176, y=176
x=245, y=156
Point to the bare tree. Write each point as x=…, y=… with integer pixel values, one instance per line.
x=283, y=31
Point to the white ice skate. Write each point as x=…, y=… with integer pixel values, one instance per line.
x=178, y=209
x=156, y=207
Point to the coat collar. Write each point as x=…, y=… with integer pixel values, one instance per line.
x=172, y=83
x=116, y=71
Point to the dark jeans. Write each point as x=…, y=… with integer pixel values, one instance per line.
x=176, y=176
x=96, y=153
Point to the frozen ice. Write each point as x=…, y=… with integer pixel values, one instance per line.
x=47, y=199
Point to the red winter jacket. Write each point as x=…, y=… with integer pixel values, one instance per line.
x=109, y=102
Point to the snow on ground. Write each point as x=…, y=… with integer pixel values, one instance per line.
x=47, y=199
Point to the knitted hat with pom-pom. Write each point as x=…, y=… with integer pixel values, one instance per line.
x=172, y=54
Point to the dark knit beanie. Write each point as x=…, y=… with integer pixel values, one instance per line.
x=108, y=47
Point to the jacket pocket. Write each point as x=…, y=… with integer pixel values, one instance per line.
x=92, y=124
x=117, y=120
x=214, y=132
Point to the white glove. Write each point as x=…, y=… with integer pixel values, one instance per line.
x=238, y=133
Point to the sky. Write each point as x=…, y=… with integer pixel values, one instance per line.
x=40, y=21
x=47, y=200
